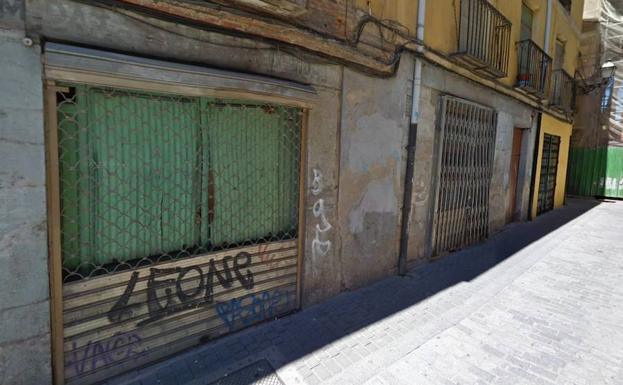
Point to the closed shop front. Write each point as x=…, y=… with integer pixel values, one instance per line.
x=177, y=207
x=465, y=166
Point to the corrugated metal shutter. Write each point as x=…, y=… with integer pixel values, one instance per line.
x=465, y=165
x=549, y=171
x=179, y=222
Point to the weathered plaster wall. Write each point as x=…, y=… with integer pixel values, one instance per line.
x=371, y=116
x=373, y=138
x=105, y=29
x=130, y=33
x=24, y=290
x=437, y=82
x=321, y=263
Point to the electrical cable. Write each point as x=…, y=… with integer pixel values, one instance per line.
x=397, y=30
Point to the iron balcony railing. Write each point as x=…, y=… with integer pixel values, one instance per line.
x=534, y=68
x=484, y=38
x=562, y=91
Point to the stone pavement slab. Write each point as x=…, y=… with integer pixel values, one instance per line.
x=539, y=303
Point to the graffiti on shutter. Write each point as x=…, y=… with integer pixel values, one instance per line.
x=179, y=222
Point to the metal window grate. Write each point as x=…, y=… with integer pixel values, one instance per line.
x=465, y=167
x=151, y=177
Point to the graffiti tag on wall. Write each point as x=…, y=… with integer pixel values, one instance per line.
x=96, y=354
x=320, y=244
x=252, y=308
x=166, y=296
x=267, y=258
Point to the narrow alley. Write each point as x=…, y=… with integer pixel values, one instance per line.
x=301, y=192
x=539, y=303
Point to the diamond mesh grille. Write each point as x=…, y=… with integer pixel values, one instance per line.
x=151, y=177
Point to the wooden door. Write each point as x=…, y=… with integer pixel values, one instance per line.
x=514, y=175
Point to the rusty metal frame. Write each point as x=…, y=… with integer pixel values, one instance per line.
x=54, y=232
x=466, y=198
x=53, y=179
x=302, y=211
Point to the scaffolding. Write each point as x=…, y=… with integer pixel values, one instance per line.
x=611, y=28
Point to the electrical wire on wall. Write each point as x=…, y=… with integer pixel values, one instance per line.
x=390, y=34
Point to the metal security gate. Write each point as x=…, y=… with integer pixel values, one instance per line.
x=549, y=172
x=179, y=221
x=175, y=217
x=465, y=164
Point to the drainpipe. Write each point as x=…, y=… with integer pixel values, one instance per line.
x=548, y=25
x=548, y=31
x=415, y=115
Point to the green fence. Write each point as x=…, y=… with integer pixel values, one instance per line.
x=596, y=172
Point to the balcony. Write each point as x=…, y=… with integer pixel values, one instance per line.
x=484, y=38
x=534, y=68
x=562, y=91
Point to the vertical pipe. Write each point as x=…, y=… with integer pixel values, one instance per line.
x=548, y=30
x=548, y=25
x=411, y=141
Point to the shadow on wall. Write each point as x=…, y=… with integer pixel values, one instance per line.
x=301, y=334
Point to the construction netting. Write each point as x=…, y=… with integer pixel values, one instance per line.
x=611, y=26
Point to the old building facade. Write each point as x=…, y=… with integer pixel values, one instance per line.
x=175, y=171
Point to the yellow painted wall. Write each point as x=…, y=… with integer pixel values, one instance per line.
x=553, y=126
x=442, y=25
x=442, y=28
x=402, y=11
x=567, y=28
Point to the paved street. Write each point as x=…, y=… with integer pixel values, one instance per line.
x=540, y=303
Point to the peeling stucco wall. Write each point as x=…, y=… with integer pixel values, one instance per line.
x=321, y=263
x=24, y=291
x=355, y=159
x=105, y=29
x=372, y=160
x=511, y=114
